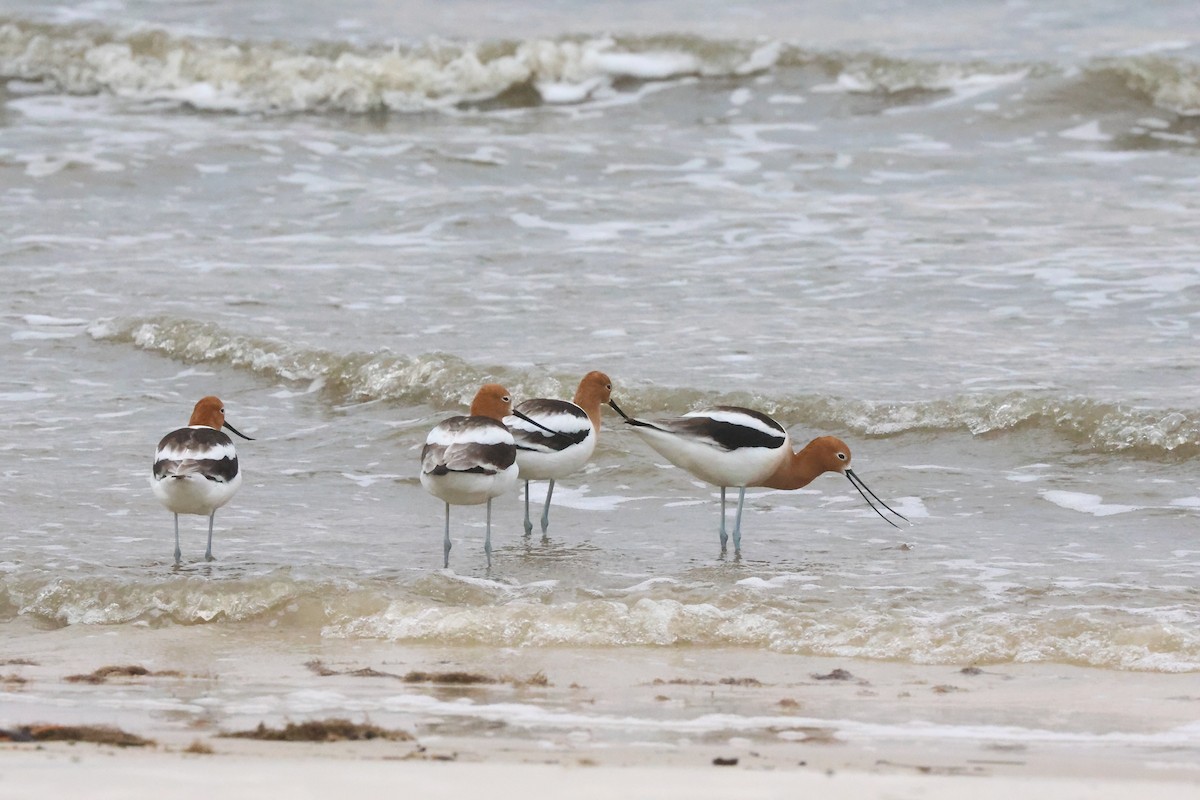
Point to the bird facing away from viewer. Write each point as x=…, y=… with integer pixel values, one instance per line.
x=469, y=460
x=196, y=468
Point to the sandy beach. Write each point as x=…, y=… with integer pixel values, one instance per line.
x=662, y=723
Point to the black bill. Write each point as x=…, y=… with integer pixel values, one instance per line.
x=617, y=408
x=239, y=433
x=865, y=490
x=535, y=423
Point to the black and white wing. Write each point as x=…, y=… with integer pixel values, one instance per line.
x=727, y=428
x=468, y=444
x=557, y=425
x=197, y=450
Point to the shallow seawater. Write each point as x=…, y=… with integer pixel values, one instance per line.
x=976, y=264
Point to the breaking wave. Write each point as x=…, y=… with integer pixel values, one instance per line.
x=445, y=609
x=226, y=75
x=1170, y=84
x=446, y=381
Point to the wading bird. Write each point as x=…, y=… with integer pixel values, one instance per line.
x=556, y=438
x=196, y=468
x=731, y=446
x=469, y=460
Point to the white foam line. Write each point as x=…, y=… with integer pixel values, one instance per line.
x=528, y=716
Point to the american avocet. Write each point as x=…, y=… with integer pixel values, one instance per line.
x=556, y=438
x=731, y=446
x=196, y=468
x=469, y=460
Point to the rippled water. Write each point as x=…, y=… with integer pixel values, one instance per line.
x=977, y=264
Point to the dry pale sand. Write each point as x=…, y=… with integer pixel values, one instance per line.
x=655, y=723
x=134, y=775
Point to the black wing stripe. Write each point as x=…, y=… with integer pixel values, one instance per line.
x=730, y=435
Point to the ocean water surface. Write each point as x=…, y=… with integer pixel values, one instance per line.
x=966, y=240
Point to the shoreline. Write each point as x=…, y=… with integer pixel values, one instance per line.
x=628, y=718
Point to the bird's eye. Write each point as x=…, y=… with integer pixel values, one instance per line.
x=506, y=399
x=842, y=456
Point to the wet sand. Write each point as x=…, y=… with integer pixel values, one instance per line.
x=655, y=722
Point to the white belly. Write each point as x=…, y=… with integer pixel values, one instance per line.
x=194, y=494
x=469, y=488
x=538, y=466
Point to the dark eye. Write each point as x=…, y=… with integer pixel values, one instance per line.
x=842, y=456
x=506, y=399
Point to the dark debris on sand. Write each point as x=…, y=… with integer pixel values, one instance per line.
x=473, y=679
x=740, y=682
x=457, y=678
x=330, y=730
x=449, y=678
x=126, y=671
x=94, y=734
x=946, y=688
x=199, y=748
x=698, y=682
x=318, y=667
x=369, y=672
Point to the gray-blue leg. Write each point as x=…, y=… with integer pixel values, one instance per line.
x=178, y=554
x=724, y=536
x=487, y=539
x=546, y=509
x=208, y=556
x=528, y=523
x=446, y=542
x=737, y=525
